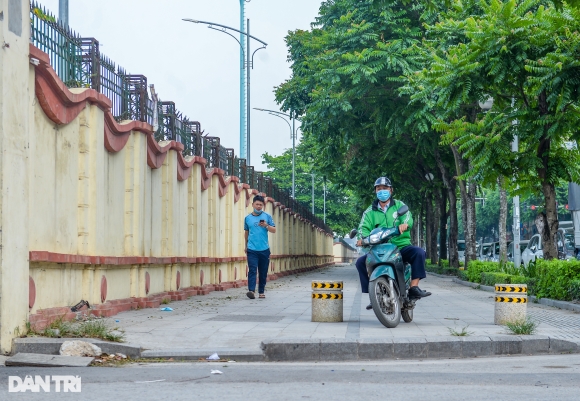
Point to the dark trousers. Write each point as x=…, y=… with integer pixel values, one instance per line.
x=258, y=262
x=413, y=255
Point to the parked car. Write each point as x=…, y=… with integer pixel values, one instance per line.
x=510, y=250
x=483, y=251
x=535, y=247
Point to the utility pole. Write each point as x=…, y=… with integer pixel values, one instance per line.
x=516, y=230
x=63, y=12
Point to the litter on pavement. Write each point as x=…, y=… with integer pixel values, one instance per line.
x=166, y=309
x=213, y=357
x=216, y=372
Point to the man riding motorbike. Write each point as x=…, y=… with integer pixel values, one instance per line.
x=383, y=213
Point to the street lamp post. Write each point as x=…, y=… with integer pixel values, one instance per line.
x=243, y=83
x=312, y=174
x=248, y=65
x=324, y=200
x=293, y=135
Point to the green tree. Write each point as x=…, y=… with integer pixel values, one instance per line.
x=342, y=207
x=347, y=73
x=525, y=56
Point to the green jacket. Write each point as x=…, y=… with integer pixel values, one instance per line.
x=374, y=217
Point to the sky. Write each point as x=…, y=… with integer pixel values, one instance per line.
x=196, y=67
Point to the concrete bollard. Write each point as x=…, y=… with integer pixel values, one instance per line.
x=511, y=303
x=327, y=301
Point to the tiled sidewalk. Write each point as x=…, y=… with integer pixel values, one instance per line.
x=229, y=320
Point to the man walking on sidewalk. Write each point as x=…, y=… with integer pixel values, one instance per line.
x=257, y=225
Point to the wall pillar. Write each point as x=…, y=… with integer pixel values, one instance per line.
x=15, y=99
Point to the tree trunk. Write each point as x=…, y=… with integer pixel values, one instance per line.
x=429, y=228
x=451, y=185
x=442, y=225
x=467, y=206
x=503, y=211
x=550, y=215
x=435, y=225
x=551, y=223
x=453, y=226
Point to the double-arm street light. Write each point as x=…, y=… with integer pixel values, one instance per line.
x=248, y=65
x=293, y=136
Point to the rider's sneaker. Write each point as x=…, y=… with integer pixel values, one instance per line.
x=417, y=293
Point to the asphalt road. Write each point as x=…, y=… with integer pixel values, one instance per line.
x=505, y=378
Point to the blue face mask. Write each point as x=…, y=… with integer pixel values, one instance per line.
x=383, y=195
x=258, y=212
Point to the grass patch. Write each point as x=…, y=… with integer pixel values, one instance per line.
x=165, y=301
x=522, y=327
x=87, y=327
x=462, y=333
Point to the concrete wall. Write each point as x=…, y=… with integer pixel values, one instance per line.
x=96, y=210
x=343, y=253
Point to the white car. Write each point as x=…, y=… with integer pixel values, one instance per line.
x=510, y=250
x=484, y=251
x=534, y=250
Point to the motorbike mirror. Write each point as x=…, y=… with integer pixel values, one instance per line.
x=353, y=233
x=403, y=210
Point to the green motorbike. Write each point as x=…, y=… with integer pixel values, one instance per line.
x=389, y=277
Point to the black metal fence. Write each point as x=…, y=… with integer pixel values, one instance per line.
x=80, y=64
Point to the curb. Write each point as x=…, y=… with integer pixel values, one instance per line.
x=439, y=275
x=332, y=349
x=542, y=301
x=474, y=285
x=412, y=348
x=51, y=346
x=195, y=355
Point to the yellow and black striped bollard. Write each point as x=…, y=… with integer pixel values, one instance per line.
x=511, y=303
x=327, y=301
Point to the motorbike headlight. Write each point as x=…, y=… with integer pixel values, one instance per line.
x=375, y=238
x=386, y=233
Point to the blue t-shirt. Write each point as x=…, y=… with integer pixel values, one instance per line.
x=258, y=236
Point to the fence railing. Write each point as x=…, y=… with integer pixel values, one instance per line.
x=79, y=64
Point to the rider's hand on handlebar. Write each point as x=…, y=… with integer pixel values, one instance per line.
x=403, y=228
x=359, y=242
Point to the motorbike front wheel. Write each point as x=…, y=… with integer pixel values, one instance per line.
x=386, y=303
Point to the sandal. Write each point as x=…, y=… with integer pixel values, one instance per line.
x=251, y=295
x=262, y=296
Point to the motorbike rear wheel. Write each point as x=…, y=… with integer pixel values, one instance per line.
x=407, y=315
x=386, y=304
